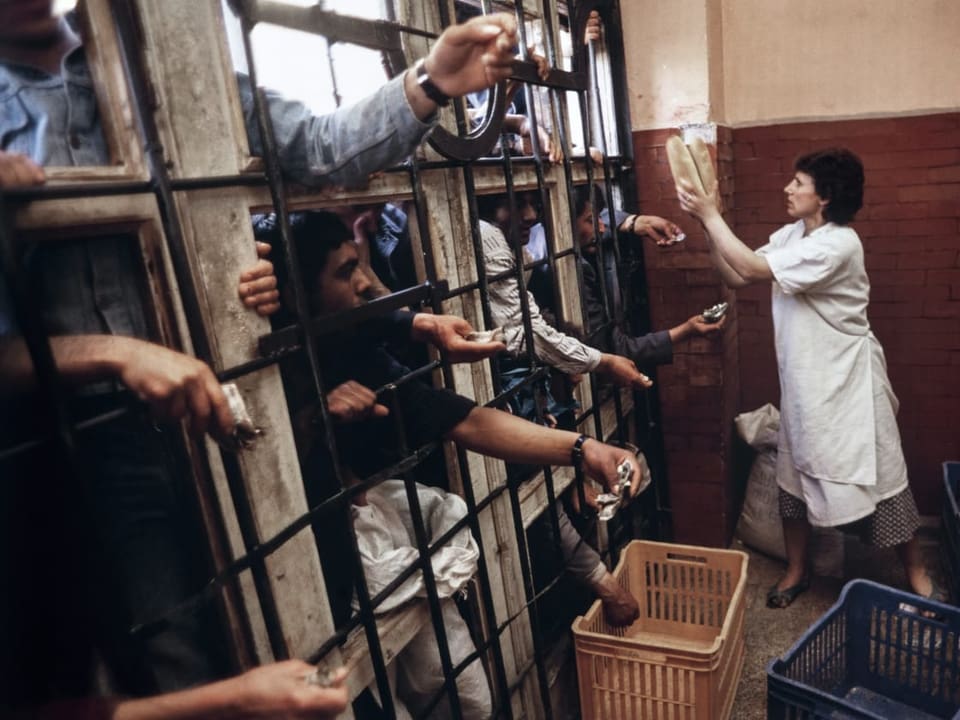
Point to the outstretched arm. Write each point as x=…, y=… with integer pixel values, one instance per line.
x=449, y=334
x=654, y=348
x=661, y=231
x=738, y=264
x=695, y=326
x=277, y=690
x=508, y=437
x=174, y=385
x=345, y=146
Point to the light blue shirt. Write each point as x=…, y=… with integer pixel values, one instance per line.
x=94, y=286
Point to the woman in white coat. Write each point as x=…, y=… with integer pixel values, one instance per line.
x=840, y=462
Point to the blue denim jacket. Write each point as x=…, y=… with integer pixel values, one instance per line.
x=91, y=286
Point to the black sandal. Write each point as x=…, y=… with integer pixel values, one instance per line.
x=937, y=594
x=780, y=599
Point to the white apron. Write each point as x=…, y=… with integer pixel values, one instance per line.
x=837, y=407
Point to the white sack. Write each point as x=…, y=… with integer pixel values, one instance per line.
x=759, y=526
x=387, y=544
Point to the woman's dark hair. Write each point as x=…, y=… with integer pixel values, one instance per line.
x=838, y=178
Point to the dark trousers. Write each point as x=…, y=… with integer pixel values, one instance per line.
x=92, y=549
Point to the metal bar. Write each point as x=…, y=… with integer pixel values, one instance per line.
x=70, y=189
x=49, y=386
x=526, y=72
x=276, y=183
x=286, y=340
x=547, y=220
x=131, y=37
x=575, y=250
x=473, y=509
x=29, y=445
x=593, y=96
x=81, y=189
x=423, y=562
x=373, y=34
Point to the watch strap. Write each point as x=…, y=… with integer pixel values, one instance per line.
x=430, y=88
x=576, y=452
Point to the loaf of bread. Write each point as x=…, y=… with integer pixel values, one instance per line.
x=701, y=158
x=681, y=162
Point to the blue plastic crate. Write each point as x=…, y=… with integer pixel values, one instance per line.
x=950, y=527
x=872, y=655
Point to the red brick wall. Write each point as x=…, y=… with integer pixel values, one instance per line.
x=700, y=389
x=910, y=228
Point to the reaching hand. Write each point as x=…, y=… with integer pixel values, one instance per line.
x=663, y=232
x=352, y=402
x=551, y=150
x=600, y=461
x=543, y=67
x=448, y=333
x=620, y=608
x=473, y=55
x=698, y=326
x=175, y=386
x=698, y=204
x=281, y=691
x=18, y=170
x=623, y=371
x=258, y=284
x=594, y=28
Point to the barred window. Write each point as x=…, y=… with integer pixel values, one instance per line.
x=274, y=529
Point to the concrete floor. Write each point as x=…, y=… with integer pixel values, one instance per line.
x=770, y=633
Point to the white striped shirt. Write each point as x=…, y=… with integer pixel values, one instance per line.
x=552, y=347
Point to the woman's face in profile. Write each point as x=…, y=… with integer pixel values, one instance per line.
x=802, y=198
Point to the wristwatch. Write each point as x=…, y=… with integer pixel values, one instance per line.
x=576, y=452
x=430, y=88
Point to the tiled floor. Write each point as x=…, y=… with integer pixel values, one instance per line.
x=770, y=633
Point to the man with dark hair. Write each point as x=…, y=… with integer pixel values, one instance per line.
x=552, y=347
x=647, y=350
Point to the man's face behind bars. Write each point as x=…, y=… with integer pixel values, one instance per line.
x=342, y=283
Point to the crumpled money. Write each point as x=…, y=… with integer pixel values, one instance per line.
x=485, y=336
x=713, y=313
x=321, y=677
x=244, y=431
x=609, y=503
